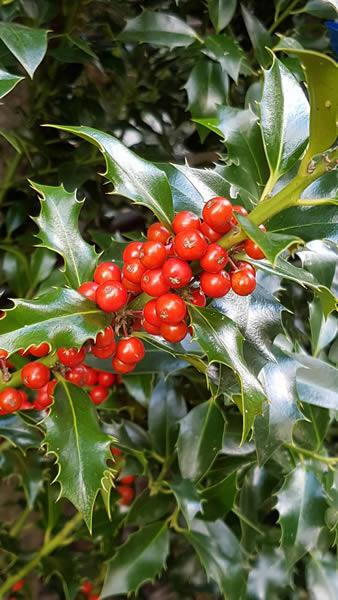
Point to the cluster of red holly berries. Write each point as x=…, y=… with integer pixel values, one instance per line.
x=125, y=487
x=87, y=590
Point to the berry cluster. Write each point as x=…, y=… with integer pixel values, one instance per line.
x=87, y=590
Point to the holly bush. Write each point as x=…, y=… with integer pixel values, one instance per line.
x=168, y=348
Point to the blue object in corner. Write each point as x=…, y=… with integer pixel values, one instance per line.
x=332, y=27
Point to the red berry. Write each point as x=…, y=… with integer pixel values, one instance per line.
x=42, y=400
x=111, y=296
x=157, y=232
x=150, y=313
x=214, y=259
x=153, y=283
x=40, y=350
x=190, y=244
x=88, y=290
x=153, y=254
x=242, y=264
x=91, y=376
x=98, y=394
x=3, y=354
x=176, y=272
x=217, y=212
x=71, y=357
x=215, y=285
x=150, y=328
x=35, y=375
x=94, y=597
x=127, y=494
x=130, y=350
x=185, y=220
x=253, y=250
x=174, y=333
x=132, y=251
x=133, y=270
x=105, y=352
x=107, y=271
x=18, y=585
x=198, y=297
x=210, y=234
x=86, y=587
x=243, y=282
x=127, y=479
x=105, y=337
x=10, y=400
x=240, y=210
x=78, y=375
x=171, y=308
x=122, y=367
x=26, y=404
x=116, y=451
x=51, y=387
x=134, y=288
x=105, y=378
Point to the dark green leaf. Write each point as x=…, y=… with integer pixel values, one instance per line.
x=62, y=317
x=207, y=88
x=227, y=52
x=166, y=408
x=28, y=45
x=159, y=29
x=272, y=244
x=129, y=435
x=81, y=449
x=322, y=576
x=42, y=263
x=309, y=223
x=317, y=382
x=324, y=9
x=187, y=498
x=219, y=498
x=259, y=36
x=19, y=432
x=59, y=231
x=28, y=468
x=140, y=386
x=132, y=176
x=221, y=12
x=147, y=509
x=200, y=439
x=139, y=559
x=268, y=577
x=8, y=82
x=301, y=506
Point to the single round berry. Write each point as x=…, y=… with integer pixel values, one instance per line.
x=130, y=350
x=134, y=288
x=132, y=251
x=25, y=403
x=176, y=272
x=105, y=352
x=242, y=264
x=42, y=400
x=150, y=313
x=253, y=250
x=122, y=367
x=107, y=271
x=88, y=290
x=190, y=244
x=105, y=337
x=198, y=297
x=217, y=212
x=133, y=270
x=153, y=254
x=40, y=350
x=214, y=259
x=111, y=296
x=209, y=233
x=86, y=587
x=18, y=585
x=105, y=378
x=71, y=357
x=98, y=394
x=215, y=285
x=185, y=220
x=153, y=283
x=127, y=479
x=150, y=328
x=126, y=494
x=78, y=375
x=35, y=375
x=91, y=376
x=174, y=333
x=116, y=451
x=171, y=308
x=243, y=282
x=157, y=232
x=10, y=400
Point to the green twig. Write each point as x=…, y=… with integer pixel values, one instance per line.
x=328, y=460
x=283, y=15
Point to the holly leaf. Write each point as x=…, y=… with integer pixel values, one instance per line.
x=259, y=36
x=59, y=232
x=166, y=408
x=227, y=52
x=207, y=88
x=147, y=509
x=28, y=45
x=28, y=468
x=221, y=556
x=221, y=12
x=309, y=223
x=20, y=433
x=8, y=81
x=272, y=244
x=188, y=499
x=222, y=342
x=322, y=576
x=61, y=317
x=132, y=176
x=81, y=449
x=301, y=505
x=140, y=387
x=200, y=439
x=324, y=9
x=317, y=382
x=139, y=559
x=158, y=29
x=219, y=498
x=285, y=130
x=268, y=576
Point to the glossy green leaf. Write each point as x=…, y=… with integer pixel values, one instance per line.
x=59, y=231
x=322, y=576
x=317, y=382
x=285, y=129
x=221, y=12
x=147, y=509
x=129, y=435
x=28, y=468
x=140, y=386
x=200, y=439
x=81, y=449
x=28, y=45
x=309, y=223
x=42, y=264
x=22, y=434
x=227, y=51
x=219, y=498
x=324, y=9
x=61, y=316
x=259, y=37
x=221, y=556
x=268, y=576
x=8, y=82
x=188, y=499
x=139, y=559
x=301, y=505
x=158, y=29
x=272, y=244
x=207, y=88
x=132, y=176
x=166, y=408
x=222, y=341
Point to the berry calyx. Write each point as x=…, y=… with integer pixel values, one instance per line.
x=171, y=308
x=40, y=350
x=243, y=282
x=217, y=212
x=98, y=394
x=111, y=296
x=153, y=283
x=10, y=400
x=214, y=259
x=122, y=367
x=215, y=285
x=253, y=250
x=157, y=232
x=176, y=272
x=190, y=244
x=174, y=333
x=107, y=271
x=35, y=375
x=185, y=220
x=88, y=290
x=153, y=254
x=71, y=357
x=130, y=350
